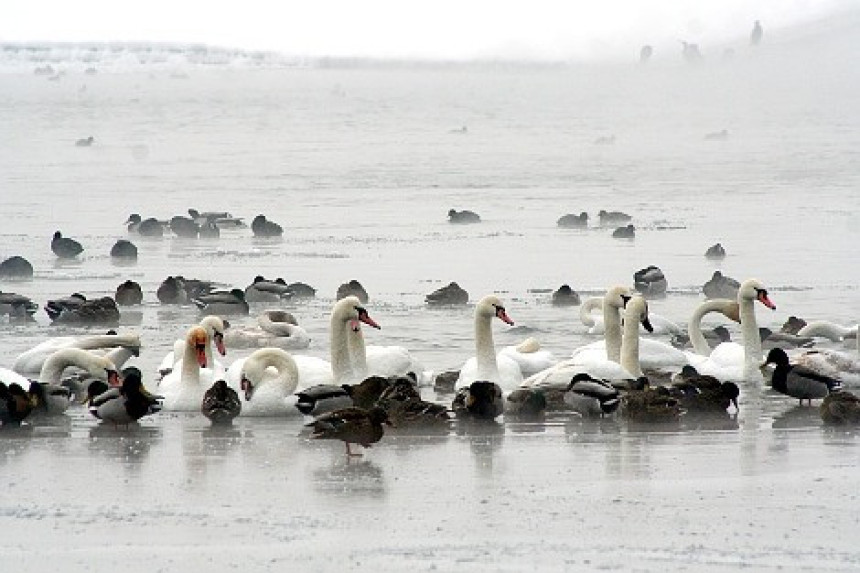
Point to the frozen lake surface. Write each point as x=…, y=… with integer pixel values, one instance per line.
x=361, y=166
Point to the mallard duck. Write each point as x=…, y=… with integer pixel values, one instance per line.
x=221, y=403
x=352, y=288
x=480, y=399
x=15, y=404
x=126, y=404
x=526, y=403
x=796, y=381
x=650, y=281
x=612, y=217
x=222, y=302
x=128, y=293
x=368, y=391
x=209, y=230
x=262, y=227
x=17, y=305
x=16, y=267
x=591, y=397
x=703, y=393
x=840, y=407
x=721, y=286
x=150, y=227
x=352, y=426
x=446, y=381
x=628, y=232
x=123, y=249
x=322, y=398
x=404, y=405
x=49, y=398
x=571, y=221
x=77, y=309
x=452, y=294
x=263, y=290
x=464, y=217
x=64, y=247
x=184, y=227
x=646, y=404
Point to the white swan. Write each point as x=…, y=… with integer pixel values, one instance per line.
x=729, y=308
x=485, y=365
x=383, y=361
x=183, y=388
x=266, y=382
x=596, y=364
x=733, y=362
x=214, y=327
x=839, y=364
x=272, y=330
x=29, y=363
x=595, y=325
x=828, y=330
x=98, y=367
x=529, y=356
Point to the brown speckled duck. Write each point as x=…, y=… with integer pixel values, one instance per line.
x=841, y=407
x=221, y=403
x=352, y=426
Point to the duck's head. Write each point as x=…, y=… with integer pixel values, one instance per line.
x=491, y=306
x=776, y=356
x=196, y=339
x=731, y=391
x=753, y=289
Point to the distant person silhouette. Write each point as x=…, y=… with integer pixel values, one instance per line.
x=645, y=54
x=756, y=34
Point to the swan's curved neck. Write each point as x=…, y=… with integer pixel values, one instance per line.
x=485, y=349
x=586, y=308
x=275, y=328
x=630, y=347
x=694, y=328
x=190, y=368
x=612, y=332
x=119, y=356
x=287, y=379
x=56, y=364
x=357, y=355
x=341, y=362
x=752, y=339
x=107, y=341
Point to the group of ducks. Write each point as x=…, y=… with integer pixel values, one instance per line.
x=362, y=388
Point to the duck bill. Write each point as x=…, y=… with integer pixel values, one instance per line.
x=219, y=343
x=365, y=318
x=201, y=355
x=503, y=316
x=763, y=298
x=735, y=404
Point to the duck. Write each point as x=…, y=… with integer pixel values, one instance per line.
x=351, y=426
x=262, y=227
x=222, y=219
x=209, y=230
x=128, y=293
x=352, y=288
x=702, y=393
x=715, y=252
x=486, y=365
x=126, y=404
x=52, y=399
x=609, y=218
x=30, y=362
x=464, y=217
x=262, y=290
x=179, y=290
x=840, y=407
x=150, y=227
x=323, y=398
x=721, y=135
x=650, y=281
x=792, y=325
x=721, y=286
x=77, y=309
x=404, y=405
x=17, y=306
x=16, y=404
x=480, y=399
x=64, y=247
x=184, y=227
x=266, y=379
x=526, y=404
x=16, y=267
x=230, y=302
x=85, y=142
x=591, y=397
x=184, y=387
x=565, y=296
x=628, y=232
x=645, y=404
x=123, y=249
x=450, y=295
x=221, y=404
x=571, y=221
x=796, y=381
x=274, y=328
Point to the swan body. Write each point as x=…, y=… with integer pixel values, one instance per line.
x=214, y=327
x=485, y=365
x=267, y=379
x=827, y=329
x=30, y=362
x=184, y=387
x=529, y=356
x=271, y=330
x=50, y=377
x=832, y=363
x=595, y=324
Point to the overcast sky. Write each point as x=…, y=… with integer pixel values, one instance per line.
x=447, y=29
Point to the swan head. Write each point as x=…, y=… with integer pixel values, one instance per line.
x=753, y=289
x=215, y=326
x=618, y=296
x=491, y=306
x=637, y=310
x=197, y=339
x=350, y=310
